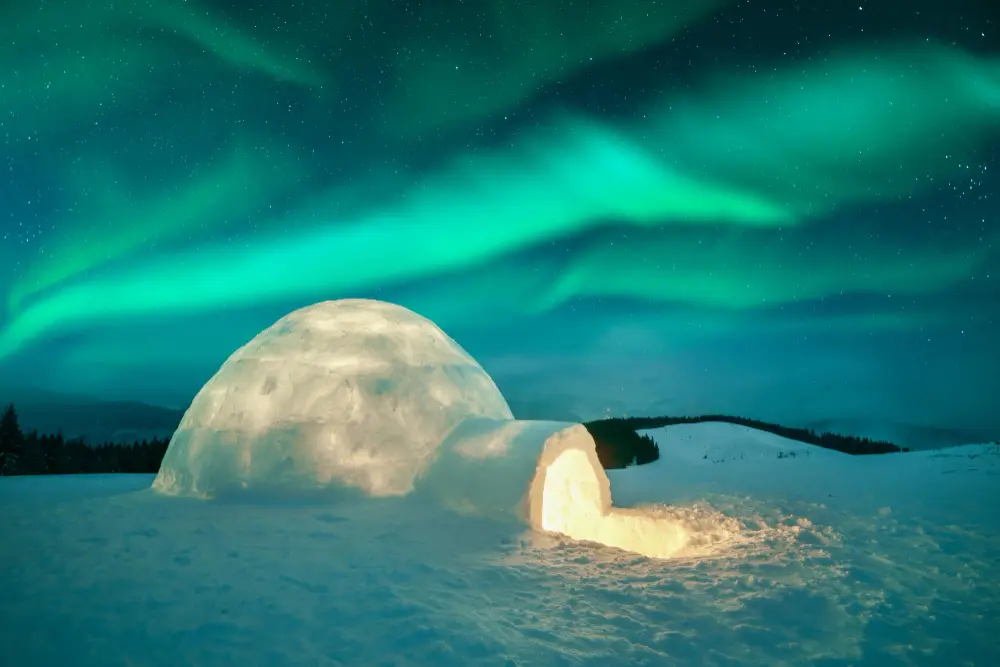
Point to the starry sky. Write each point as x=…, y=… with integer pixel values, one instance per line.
x=777, y=208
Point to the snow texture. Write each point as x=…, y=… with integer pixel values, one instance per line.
x=354, y=393
x=813, y=559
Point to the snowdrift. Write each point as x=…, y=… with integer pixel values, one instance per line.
x=370, y=396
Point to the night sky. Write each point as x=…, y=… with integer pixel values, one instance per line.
x=786, y=210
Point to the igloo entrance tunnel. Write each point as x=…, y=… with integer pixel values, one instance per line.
x=369, y=395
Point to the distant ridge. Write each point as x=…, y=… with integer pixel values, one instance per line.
x=94, y=420
x=619, y=444
x=913, y=436
x=99, y=421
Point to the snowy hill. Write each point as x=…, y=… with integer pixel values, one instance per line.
x=715, y=442
x=913, y=436
x=712, y=457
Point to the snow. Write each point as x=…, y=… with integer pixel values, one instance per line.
x=355, y=392
x=816, y=559
x=709, y=458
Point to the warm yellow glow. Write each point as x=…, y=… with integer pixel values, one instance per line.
x=572, y=505
x=570, y=497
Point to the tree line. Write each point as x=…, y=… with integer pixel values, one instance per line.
x=33, y=454
x=618, y=445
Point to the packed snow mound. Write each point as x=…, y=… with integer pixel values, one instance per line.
x=355, y=393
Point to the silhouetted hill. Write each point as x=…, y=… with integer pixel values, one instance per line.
x=913, y=436
x=94, y=421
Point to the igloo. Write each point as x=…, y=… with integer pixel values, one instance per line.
x=366, y=394
x=355, y=392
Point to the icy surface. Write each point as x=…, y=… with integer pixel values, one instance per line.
x=353, y=392
x=835, y=561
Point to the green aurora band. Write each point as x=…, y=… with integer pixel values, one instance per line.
x=767, y=155
x=231, y=190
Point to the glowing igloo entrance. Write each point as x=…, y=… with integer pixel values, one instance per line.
x=548, y=474
x=576, y=502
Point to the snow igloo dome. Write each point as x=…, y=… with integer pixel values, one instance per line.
x=370, y=395
x=354, y=392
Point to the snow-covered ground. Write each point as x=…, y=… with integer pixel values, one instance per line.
x=797, y=556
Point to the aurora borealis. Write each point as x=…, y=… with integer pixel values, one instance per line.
x=781, y=210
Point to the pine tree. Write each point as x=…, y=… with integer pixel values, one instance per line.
x=54, y=453
x=11, y=442
x=32, y=457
